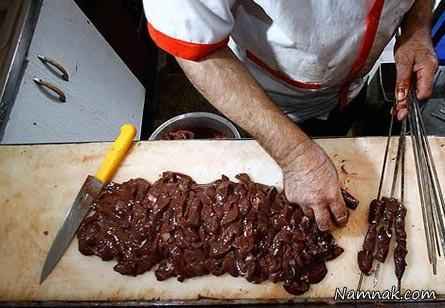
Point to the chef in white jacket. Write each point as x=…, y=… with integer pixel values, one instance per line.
x=273, y=66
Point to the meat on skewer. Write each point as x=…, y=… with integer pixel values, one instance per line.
x=400, y=251
x=384, y=232
x=365, y=256
x=364, y=259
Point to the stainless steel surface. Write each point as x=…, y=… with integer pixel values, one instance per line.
x=14, y=55
x=197, y=119
x=53, y=63
x=47, y=85
x=80, y=208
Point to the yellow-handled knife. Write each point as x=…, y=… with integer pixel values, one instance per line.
x=90, y=190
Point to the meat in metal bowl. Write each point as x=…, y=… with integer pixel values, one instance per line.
x=196, y=125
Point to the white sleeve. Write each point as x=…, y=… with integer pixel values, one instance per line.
x=189, y=29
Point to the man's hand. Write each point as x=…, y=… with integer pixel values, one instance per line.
x=311, y=181
x=415, y=57
x=310, y=177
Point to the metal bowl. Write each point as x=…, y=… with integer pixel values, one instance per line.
x=193, y=120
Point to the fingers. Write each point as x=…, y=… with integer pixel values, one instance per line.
x=404, y=67
x=339, y=211
x=327, y=216
x=307, y=211
x=400, y=110
x=425, y=72
x=329, y=213
x=322, y=217
x=422, y=62
x=402, y=113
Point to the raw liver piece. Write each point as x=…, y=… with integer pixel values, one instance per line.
x=244, y=229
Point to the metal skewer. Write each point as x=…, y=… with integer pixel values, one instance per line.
x=439, y=206
x=402, y=180
x=400, y=154
x=382, y=175
x=427, y=191
x=385, y=157
x=402, y=177
x=431, y=197
x=424, y=189
x=420, y=184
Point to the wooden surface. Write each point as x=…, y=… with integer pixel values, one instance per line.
x=38, y=184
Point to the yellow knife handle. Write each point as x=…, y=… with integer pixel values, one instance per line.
x=116, y=153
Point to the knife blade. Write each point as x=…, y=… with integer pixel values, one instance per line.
x=90, y=189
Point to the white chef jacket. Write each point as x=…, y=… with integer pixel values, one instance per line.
x=308, y=55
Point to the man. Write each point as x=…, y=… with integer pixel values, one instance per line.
x=309, y=57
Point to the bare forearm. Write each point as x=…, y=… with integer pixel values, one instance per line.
x=419, y=18
x=310, y=178
x=227, y=85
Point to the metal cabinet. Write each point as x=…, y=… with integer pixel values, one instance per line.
x=101, y=93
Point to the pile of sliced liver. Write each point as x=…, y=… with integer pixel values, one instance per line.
x=182, y=229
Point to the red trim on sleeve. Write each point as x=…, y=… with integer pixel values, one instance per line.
x=280, y=75
x=183, y=49
x=371, y=26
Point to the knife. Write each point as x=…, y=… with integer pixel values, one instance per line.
x=90, y=190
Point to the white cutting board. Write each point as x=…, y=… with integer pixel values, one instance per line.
x=38, y=185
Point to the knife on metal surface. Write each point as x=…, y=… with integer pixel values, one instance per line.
x=90, y=190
